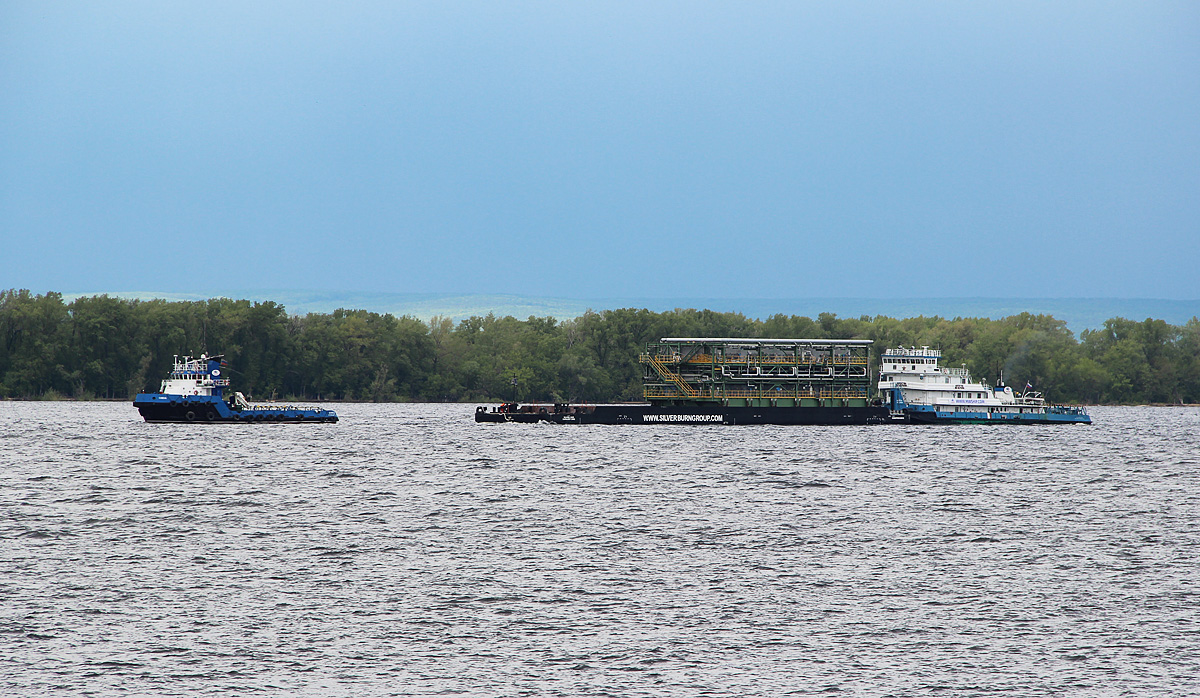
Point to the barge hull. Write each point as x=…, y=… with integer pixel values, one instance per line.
x=714, y=414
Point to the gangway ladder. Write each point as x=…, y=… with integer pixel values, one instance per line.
x=670, y=376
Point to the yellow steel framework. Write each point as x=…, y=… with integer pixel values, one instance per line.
x=659, y=364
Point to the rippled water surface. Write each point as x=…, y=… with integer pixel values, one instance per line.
x=409, y=551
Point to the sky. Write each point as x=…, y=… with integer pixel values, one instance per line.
x=592, y=149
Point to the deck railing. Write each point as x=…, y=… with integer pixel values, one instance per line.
x=671, y=391
x=668, y=359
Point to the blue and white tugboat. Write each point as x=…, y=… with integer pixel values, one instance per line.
x=917, y=390
x=195, y=392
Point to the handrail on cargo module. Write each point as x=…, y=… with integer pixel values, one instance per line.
x=663, y=391
x=751, y=358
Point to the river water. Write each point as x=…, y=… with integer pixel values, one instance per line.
x=409, y=551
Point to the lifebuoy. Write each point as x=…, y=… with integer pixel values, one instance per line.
x=190, y=416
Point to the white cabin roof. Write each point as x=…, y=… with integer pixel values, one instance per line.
x=922, y=353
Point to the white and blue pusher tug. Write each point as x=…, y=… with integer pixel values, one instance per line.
x=195, y=392
x=916, y=389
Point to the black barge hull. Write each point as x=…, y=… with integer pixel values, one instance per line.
x=715, y=414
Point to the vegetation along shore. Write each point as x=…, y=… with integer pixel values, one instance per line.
x=100, y=347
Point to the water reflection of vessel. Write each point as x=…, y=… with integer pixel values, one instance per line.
x=731, y=381
x=913, y=385
x=194, y=392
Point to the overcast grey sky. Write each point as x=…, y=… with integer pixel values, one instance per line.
x=576, y=149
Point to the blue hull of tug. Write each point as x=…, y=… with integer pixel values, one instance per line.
x=211, y=409
x=1026, y=414
x=1049, y=415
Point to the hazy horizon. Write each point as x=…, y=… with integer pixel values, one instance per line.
x=1078, y=313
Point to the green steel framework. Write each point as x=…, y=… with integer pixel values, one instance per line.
x=757, y=372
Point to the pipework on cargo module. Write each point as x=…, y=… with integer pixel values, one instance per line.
x=714, y=380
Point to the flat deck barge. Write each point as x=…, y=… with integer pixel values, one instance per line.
x=723, y=380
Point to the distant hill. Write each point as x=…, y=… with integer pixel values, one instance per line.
x=1078, y=313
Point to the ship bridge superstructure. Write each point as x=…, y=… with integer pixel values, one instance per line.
x=191, y=376
x=757, y=372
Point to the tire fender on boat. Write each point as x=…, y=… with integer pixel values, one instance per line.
x=190, y=416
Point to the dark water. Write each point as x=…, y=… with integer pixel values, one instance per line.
x=409, y=551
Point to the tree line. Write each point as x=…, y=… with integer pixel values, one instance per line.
x=101, y=347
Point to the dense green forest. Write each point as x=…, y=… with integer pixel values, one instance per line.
x=104, y=347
